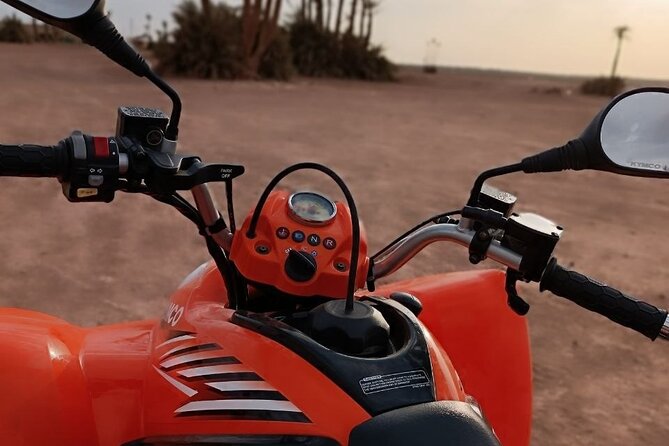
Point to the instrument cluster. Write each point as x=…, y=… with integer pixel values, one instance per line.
x=302, y=246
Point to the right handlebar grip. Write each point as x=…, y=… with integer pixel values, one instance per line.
x=33, y=161
x=609, y=302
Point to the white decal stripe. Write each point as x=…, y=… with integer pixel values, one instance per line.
x=185, y=389
x=177, y=339
x=241, y=386
x=202, y=406
x=183, y=346
x=185, y=359
x=214, y=370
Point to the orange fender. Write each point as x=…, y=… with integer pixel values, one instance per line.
x=486, y=341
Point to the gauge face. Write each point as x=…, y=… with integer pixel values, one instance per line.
x=312, y=208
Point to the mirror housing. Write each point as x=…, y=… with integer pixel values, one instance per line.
x=630, y=136
x=87, y=20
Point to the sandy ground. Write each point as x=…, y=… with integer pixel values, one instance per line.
x=407, y=150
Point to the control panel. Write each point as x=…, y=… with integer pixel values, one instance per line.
x=302, y=246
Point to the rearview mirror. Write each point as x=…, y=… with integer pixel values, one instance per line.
x=87, y=20
x=630, y=136
x=57, y=10
x=634, y=132
x=70, y=15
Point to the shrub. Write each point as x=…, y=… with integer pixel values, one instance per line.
x=319, y=52
x=315, y=52
x=603, y=86
x=14, y=30
x=360, y=61
x=277, y=61
x=209, y=46
x=203, y=46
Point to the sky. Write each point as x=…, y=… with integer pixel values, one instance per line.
x=546, y=36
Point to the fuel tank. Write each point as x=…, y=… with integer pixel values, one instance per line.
x=204, y=373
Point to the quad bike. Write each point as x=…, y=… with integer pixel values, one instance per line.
x=282, y=339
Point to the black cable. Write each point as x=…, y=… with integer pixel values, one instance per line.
x=355, y=221
x=172, y=131
x=181, y=205
x=434, y=219
x=218, y=255
x=225, y=268
x=498, y=171
x=231, y=206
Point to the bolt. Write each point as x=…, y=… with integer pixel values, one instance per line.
x=483, y=235
x=154, y=137
x=340, y=266
x=262, y=249
x=474, y=259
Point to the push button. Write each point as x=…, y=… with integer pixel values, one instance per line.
x=282, y=233
x=298, y=236
x=329, y=243
x=101, y=146
x=314, y=240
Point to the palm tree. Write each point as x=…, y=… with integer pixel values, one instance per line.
x=340, y=11
x=620, y=32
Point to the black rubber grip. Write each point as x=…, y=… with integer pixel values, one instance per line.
x=33, y=161
x=594, y=296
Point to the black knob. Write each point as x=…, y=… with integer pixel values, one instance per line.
x=300, y=266
x=408, y=300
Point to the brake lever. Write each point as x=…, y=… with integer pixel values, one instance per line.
x=516, y=303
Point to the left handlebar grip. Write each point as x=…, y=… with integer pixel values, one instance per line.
x=29, y=160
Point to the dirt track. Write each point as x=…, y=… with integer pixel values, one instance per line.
x=407, y=150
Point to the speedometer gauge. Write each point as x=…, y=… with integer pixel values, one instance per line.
x=312, y=208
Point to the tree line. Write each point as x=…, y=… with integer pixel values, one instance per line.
x=320, y=38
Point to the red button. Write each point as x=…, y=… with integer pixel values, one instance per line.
x=101, y=146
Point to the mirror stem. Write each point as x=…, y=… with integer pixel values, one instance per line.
x=172, y=131
x=571, y=156
x=478, y=184
x=104, y=36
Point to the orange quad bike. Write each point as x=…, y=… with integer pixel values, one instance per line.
x=282, y=339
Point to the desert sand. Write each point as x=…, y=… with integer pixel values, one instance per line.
x=408, y=150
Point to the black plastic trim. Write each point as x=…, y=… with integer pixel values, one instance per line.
x=234, y=440
x=452, y=423
x=347, y=371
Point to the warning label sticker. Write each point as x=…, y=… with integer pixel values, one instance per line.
x=382, y=383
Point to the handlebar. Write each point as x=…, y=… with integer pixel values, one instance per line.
x=33, y=160
x=640, y=316
x=580, y=289
x=91, y=168
x=407, y=248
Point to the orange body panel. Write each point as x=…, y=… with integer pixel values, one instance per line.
x=269, y=268
x=487, y=342
x=109, y=385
